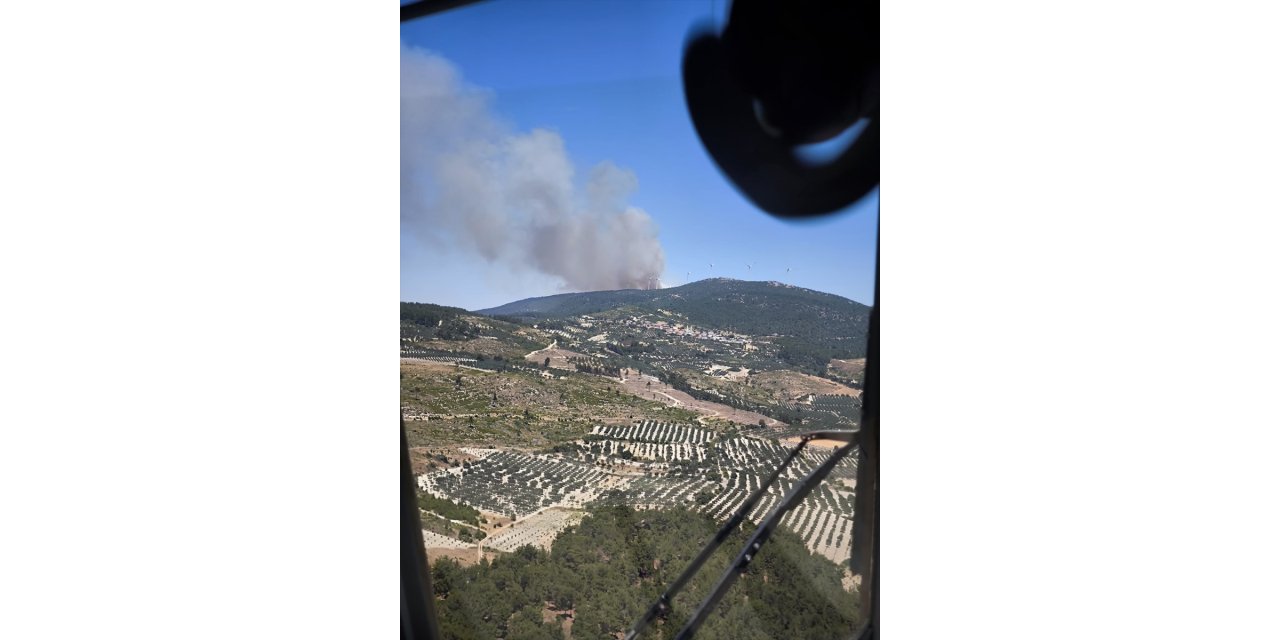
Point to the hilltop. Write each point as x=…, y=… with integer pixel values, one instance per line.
x=817, y=319
x=436, y=328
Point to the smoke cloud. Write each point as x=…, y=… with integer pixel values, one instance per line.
x=468, y=181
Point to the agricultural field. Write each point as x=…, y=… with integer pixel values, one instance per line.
x=784, y=386
x=651, y=388
x=434, y=328
x=444, y=404
x=524, y=424
x=553, y=357
x=646, y=465
x=851, y=370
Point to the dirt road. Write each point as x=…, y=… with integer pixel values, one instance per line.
x=559, y=357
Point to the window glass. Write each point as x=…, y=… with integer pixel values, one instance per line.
x=604, y=346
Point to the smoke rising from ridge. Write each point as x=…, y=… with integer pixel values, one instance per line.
x=467, y=180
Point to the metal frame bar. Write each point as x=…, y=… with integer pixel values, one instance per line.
x=663, y=603
x=417, y=597
x=417, y=614
x=761, y=535
x=423, y=8
x=865, y=552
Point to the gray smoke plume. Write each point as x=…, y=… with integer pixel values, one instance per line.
x=469, y=181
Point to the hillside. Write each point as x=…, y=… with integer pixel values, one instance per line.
x=601, y=574
x=817, y=320
x=434, y=328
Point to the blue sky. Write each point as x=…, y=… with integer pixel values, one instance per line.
x=605, y=76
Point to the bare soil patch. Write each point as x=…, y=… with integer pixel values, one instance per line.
x=650, y=388
x=424, y=459
x=825, y=444
x=559, y=358
x=418, y=364
x=465, y=557
x=420, y=461
x=848, y=368
x=495, y=523
x=790, y=385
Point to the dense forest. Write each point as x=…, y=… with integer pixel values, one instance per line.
x=601, y=575
x=427, y=315
x=813, y=356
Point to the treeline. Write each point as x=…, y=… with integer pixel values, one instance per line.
x=513, y=319
x=425, y=314
x=597, y=370
x=498, y=363
x=448, y=508
x=424, y=320
x=603, y=573
x=811, y=357
x=595, y=366
x=432, y=522
x=434, y=353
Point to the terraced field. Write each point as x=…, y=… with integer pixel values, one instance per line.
x=516, y=484
x=647, y=465
x=650, y=431
x=539, y=530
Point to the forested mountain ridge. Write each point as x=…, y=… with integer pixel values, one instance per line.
x=814, y=318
